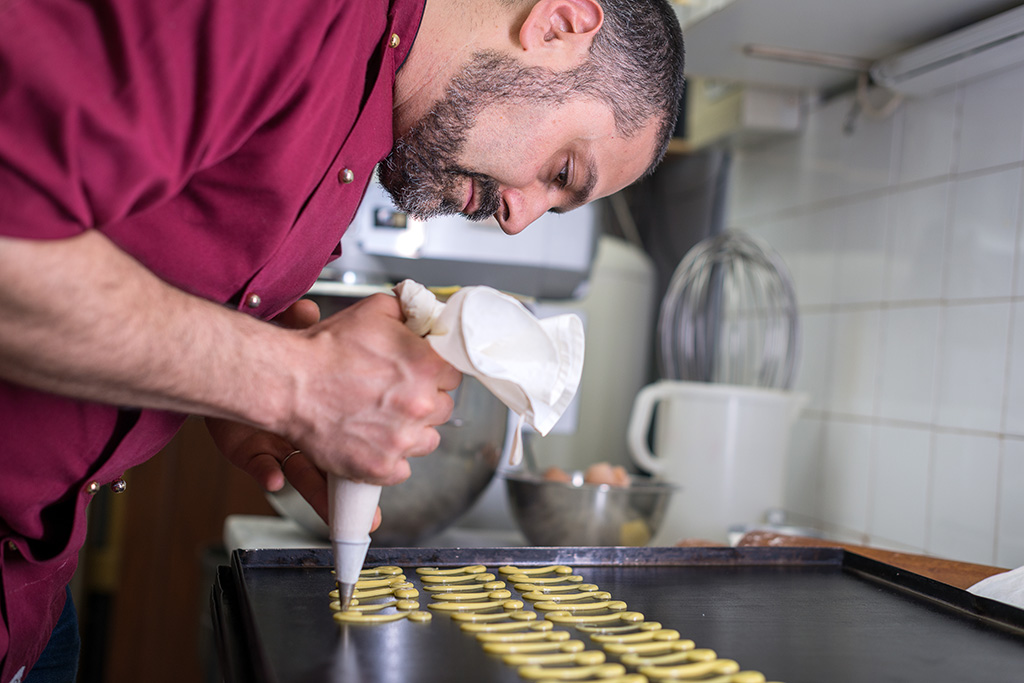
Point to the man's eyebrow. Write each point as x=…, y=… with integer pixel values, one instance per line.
x=582, y=194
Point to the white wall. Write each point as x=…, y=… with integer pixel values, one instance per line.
x=904, y=240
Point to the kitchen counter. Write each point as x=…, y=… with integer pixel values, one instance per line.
x=959, y=574
x=257, y=531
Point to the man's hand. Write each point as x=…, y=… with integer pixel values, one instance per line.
x=370, y=394
x=268, y=458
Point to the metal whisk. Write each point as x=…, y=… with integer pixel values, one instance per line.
x=729, y=315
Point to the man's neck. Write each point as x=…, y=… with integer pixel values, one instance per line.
x=450, y=33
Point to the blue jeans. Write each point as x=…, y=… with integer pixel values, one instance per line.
x=59, y=661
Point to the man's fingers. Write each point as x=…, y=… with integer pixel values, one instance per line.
x=445, y=408
x=384, y=304
x=308, y=481
x=449, y=378
x=300, y=315
x=264, y=468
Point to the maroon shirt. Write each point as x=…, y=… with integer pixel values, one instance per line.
x=226, y=146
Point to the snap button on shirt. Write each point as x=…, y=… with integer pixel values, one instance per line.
x=346, y=175
x=395, y=40
x=253, y=300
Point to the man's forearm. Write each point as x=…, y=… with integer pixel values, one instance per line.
x=358, y=392
x=81, y=318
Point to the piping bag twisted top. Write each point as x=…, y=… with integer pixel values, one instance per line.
x=532, y=365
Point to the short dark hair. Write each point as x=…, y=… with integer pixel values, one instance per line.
x=639, y=55
x=635, y=66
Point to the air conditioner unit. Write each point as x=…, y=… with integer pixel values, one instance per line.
x=989, y=45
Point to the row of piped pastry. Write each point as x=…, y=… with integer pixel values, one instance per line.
x=483, y=606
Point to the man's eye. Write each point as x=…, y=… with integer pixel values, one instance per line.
x=562, y=179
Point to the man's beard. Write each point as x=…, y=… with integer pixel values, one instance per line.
x=422, y=173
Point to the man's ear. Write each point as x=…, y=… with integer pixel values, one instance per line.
x=561, y=29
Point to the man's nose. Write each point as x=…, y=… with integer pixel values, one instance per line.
x=520, y=208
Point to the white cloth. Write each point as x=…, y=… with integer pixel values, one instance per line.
x=532, y=365
x=1007, y=587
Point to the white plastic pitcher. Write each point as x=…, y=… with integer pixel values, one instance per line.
x=725, y=446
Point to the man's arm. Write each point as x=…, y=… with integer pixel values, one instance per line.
x=358, y=393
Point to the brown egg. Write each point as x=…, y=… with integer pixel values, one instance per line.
x=557, y=474
x=604, y=473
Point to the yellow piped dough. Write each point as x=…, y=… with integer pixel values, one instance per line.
x=586, y=658
x=520, y=615
x=502, y=626
x=699, y=655
x=406, y=589
x=565, y=617
x=507, y=605
x=528, y=636
x=470, y=597
x=404, y=605
x=635, y=627
x=459, y=588
x=350, y=617
x=550, y=569
x=381, y=571
x=625, y=678
x=543, y=588
x=638, y=637
x=567, y=597
x=695, y=670
x=614, y=605
x=571, y=673
x=431, y=571
x=525, y=578
x=653, y=647
x=391, y=581
x=457, y=578
x=547, y=646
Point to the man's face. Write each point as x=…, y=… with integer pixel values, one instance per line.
x=503, y=143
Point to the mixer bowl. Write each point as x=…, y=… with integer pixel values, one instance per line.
x=554, y=513
x=443, y=484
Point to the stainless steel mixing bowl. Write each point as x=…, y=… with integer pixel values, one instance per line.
x=443, y=484
x=553, y=513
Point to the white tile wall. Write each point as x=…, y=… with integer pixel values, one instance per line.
x=965, y=477
x=972, y=366
x=855, y=364
x=1013, y=418
x=900, y=483
x=1010, y=532
x=861, y=240
x=816, y=367
x=907, y=372
x=804, y=468
x=904, y=241
x=992, y=122
x=846, y=476
x=917, y=243
x=928, y=142
x=983, y=236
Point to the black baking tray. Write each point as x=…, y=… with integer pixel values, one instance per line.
x=798, y=615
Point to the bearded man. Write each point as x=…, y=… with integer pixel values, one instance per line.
x=175, y=175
